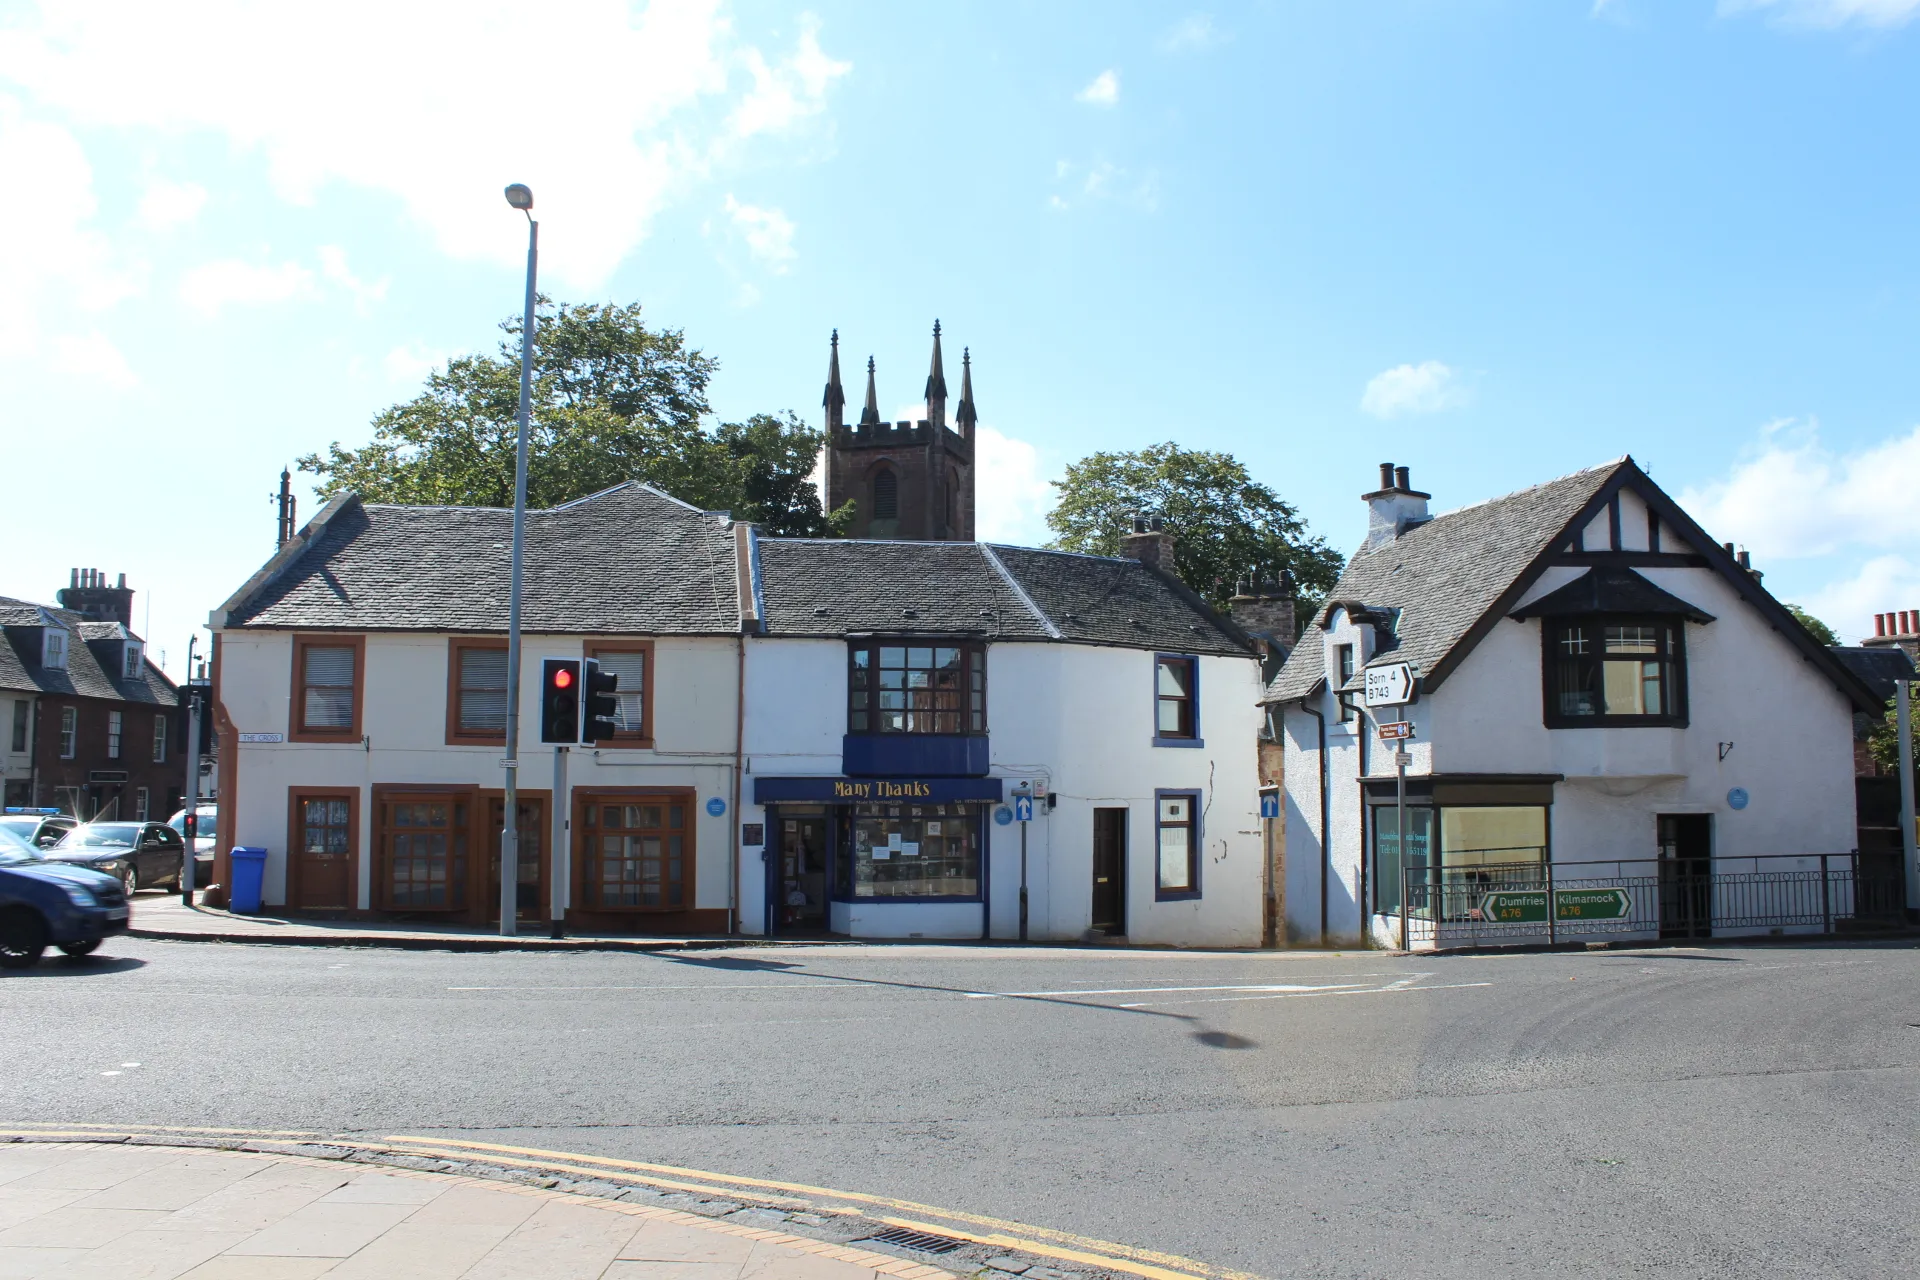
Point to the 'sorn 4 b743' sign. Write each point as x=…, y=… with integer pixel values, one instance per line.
x=1391, y=685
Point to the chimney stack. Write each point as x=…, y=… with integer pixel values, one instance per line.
x=1150, y=544
x=91, y=597
x=1263, y=606
x=1394, y=507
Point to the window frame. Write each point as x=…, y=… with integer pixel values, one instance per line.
x=470, y=830
x=161, y=733
x=1675, y=717
x=69, y=732
x=843, y=876
x=55, y=644
x=22, y=739
x=132, y=660
x=1346, y=663
x=627, y=740
x=975, y=652
x=1195, y=842
x=1193, y=738
x=585, y=897
x=116, y=724
x=455, y=735
x=297, y=695
x=140, y=803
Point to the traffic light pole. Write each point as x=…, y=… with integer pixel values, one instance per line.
x=191, y=824
x=560, y=851
x=510, y=766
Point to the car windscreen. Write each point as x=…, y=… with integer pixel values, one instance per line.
x=15, y=849
x=103, y=835
x=22, y=827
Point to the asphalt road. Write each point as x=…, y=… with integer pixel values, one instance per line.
x=1705, y=1112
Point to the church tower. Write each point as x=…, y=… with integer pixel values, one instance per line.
x=907, y=480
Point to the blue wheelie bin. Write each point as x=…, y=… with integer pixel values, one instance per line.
x=249, y=864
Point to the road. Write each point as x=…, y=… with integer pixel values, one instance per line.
x=1658, y=1113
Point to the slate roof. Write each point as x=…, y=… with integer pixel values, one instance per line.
x=1877, y=666
x=628, y=559
x=835, y=587
x=91, y=670
x=1442, y=576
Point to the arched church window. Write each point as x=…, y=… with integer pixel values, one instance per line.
x=886, y=495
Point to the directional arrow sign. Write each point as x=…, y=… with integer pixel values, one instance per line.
x=1389, y=686
x=1592, y=904
x=1515, y=906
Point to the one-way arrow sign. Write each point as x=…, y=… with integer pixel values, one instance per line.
x=1390, y=686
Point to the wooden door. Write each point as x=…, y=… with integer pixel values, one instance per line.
x=322, y=847
x=1110, y=871
x=422, y=846
x=1686, y=875
x=533, y=896
x=635, y=851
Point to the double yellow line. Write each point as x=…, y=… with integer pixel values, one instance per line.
x=978, y=1228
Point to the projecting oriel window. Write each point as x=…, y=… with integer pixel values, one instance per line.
x=1615, y=671
x=896, y=687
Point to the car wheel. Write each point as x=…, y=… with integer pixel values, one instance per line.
x=23, y=936
x=131, y=880
x=81, y=948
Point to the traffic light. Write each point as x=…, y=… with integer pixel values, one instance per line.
x=560, y=700
x=602, y=705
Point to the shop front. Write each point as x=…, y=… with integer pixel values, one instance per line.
x=877, y=857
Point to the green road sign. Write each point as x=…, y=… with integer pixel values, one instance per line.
x=1591, y=904
x=1515, y=906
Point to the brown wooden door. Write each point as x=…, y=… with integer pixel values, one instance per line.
x=323, y=878
x=422, y=843
x=1110, y=871
x=533, y=895
x=635, y=852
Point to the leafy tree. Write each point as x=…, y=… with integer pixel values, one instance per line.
x=1821, y=631
x=1224, y=523
x=613, y=401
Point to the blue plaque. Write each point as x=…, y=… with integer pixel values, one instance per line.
x=1002, y=816
x=1737, y=797
x=716, y=806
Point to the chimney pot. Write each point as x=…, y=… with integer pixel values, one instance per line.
x=1727, y=547
x=1744, y=562
x=1386, y=475
x=1139, y=523
x=123, y=581
x=1401, y=478
x=1879, y=624
x=1155, y=524
x=1904, y=620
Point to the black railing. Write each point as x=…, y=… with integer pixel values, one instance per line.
x=1533, y=902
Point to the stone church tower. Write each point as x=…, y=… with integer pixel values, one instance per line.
x=907, y=480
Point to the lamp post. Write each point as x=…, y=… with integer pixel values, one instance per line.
x=521, y=198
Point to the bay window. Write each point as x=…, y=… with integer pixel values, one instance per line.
x=895, y=686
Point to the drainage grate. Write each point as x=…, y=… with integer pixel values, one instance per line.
x=918, y=1241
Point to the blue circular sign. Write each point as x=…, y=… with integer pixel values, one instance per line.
x=716, y=806
x=1003, y=816
x=1737, y=797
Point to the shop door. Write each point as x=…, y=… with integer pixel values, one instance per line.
x=323, y=853
x=1110, y=871
x=1686, y=879
x=800, y=890
x=533, y=896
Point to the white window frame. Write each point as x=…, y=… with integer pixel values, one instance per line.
x=69, y=732
x=140, y=803
x=134, y=667
x=53, y=649
x=114, y=722
x=160, y=737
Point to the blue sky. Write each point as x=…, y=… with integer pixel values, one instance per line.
x=1493, y=240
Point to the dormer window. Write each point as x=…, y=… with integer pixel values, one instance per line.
x=1605, y=670
x=53, y=649
x=135, y=669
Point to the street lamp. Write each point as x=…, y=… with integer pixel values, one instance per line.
x=521, y=198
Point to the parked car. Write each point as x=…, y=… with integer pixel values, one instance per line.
x=141, y=854
x=45, y=903
x=205, y=818
x=41, y=828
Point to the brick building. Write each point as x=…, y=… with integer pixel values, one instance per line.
x=88, y=723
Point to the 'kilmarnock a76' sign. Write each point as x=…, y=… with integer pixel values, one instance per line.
x=1529, y=906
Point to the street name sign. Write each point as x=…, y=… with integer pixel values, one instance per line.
x=1390, y=686
x=1591, y=904
x=1396, y=730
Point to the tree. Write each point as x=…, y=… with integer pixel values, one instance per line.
x=613, y=401
x=1224, y=523
x=1820, y=630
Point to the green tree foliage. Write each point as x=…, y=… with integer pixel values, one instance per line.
x=613, y=401
x=1820, y=630
x=1224, y=523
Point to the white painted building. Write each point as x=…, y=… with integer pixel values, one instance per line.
x=1605, y=697
x=816, y=736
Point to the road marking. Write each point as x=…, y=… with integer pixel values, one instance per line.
x=1396, y=987
x=691, y=986
x=1144, y=991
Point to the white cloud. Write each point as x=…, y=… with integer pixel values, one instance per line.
x=412, y=363
x=1104, y=180
x=333, y=265
x=1194, y=33
x=213, y=286
x=1427, y=387
x=1827, y=13
x=165, y=205
x=441, y=111
x=93, y=356
x=1102, y=91
x=1011, y=493
x=1883, y=584
x=768, y=233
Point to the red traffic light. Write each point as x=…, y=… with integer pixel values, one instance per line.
x=563, y=679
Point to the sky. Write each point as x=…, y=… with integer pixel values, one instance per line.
x=1495, y=241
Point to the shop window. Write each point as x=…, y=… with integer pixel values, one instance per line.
x=1177, y=849
x=1614, y=671
x=901, y=688
x=913, y=851
x=69, y=731
x=1479, y=847
x=423, y=843
x=1176, y=701
x=1395, y=863
x=114, y=721
x=327, y=682
x=637, y=854
x=160, y=737
x=632, y=717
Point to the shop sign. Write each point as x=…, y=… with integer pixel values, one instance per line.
x=773, y=790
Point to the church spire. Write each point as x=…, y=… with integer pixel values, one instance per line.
x=835, y=400
x=936, y=385
x=870, y=415
x=965, y=415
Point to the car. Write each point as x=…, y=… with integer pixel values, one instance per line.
x=45, y=903
x=206, y=815
x=141, y=854
x=41, y=828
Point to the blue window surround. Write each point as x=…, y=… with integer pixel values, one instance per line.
x=1199, y=843
x=1154, y=703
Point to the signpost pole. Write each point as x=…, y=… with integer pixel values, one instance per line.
x=1021, y=812
x=1903, y=709
x=559, y=851
x=1553, y=910
x=1400, y=822
x=191, y=823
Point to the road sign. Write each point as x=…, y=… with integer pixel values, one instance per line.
x=1515, y=906
x=1390, y=686
x=1396, y=730
x=1270, y=805
x=1591, y=904
x=1023, y=808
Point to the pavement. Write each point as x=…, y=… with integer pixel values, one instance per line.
x=1669, y=1112
x=74, y=1210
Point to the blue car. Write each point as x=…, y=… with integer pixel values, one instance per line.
x=57, y=904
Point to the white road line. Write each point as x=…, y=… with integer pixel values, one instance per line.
x=691, y=986
x=1143, y=991
x=1391, y=990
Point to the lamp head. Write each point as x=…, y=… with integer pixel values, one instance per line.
x=520, y=196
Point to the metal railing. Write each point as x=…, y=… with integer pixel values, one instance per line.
x=1515, y=904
